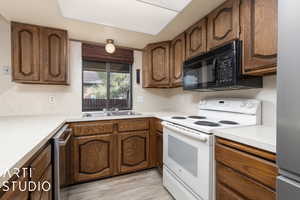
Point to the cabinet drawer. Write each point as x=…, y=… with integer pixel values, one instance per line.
x=158, y=126
x=133, y=125
x=241, y=185
x=225, y=193
x=93, y=128
x=259, y=169
x=41, y=163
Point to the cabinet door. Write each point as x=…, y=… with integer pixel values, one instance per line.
x=93, y=157
x=159, y=148
x=196, y=38
x=43, y=194
x=54, y=55
x=17, y=194
x=223, y=24
x=156, y=67
x=259, y=35
x=177, y=59
x=133, y=151
x=25, y=52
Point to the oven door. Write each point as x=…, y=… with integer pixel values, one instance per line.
x=200, y=73
x=189, y=155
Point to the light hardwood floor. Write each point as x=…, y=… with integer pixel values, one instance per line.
x=145, y=185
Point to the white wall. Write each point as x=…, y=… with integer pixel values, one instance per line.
x=186, y=101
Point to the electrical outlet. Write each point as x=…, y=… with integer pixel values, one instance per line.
x=140, y=99
x=51, y=99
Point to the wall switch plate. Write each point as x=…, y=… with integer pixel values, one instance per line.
x=6, y=70
x=51, y=99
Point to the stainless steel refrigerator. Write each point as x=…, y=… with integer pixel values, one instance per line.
x=288, y=100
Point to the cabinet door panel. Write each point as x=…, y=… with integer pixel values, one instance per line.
x=133, y=151
x=159, y=148
x=54, y=55
x=40, y=194
x=93, y=157
x=196, y=38
x=223, y=24
x=25, y=52
x=259, y=35
x=156, y=65
x=177, y=59
x=17, y=194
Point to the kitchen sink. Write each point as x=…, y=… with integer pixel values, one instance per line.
x=111, y=113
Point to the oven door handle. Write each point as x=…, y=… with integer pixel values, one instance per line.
x=184, y=131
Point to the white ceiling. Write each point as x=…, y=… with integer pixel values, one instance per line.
x=149, y=16
x=48, y=13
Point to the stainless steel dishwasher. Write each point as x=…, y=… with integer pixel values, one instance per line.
x=62, y=164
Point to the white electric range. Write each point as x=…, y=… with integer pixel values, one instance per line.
x=188, y=152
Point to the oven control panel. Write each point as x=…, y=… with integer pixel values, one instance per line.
x=237, y=105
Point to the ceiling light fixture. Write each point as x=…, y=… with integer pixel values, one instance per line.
x=110, y=47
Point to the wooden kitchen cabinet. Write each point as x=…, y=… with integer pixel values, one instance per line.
x=43, y=194
x=159, y=151
x=244, y=172
x=41, y=172
x=177, y=58
x=259, y=34
x=133, y=151
x=39, y=54
x=17, y=194
x=223, y=24
x=54, y=55
x=25, y=52
x=93, y=157
x=196, y=38
x=156, y=65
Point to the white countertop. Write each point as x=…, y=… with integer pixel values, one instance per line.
x=22, y=136
x=262, y=137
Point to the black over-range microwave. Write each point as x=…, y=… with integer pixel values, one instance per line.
x=219, y=69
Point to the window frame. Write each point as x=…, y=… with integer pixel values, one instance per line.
x=108, y=66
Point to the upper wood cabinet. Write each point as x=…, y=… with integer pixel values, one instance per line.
x=93, y=157
x=196, y=38
x=54, y=55
x=39, y=54
x=133, y=151
x=223, y=24
x=259, y=35
x=156, y=65
x=176, y=60
x=25, y=52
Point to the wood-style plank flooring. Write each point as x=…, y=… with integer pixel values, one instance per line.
x=145, y=185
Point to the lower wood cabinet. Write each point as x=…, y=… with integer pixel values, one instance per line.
x=93, y=157
x=40, y=194
x=17, y=194
x=159, y=151
x=244, y=172
x=133, y=151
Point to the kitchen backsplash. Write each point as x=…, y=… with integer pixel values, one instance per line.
x=22, y=99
